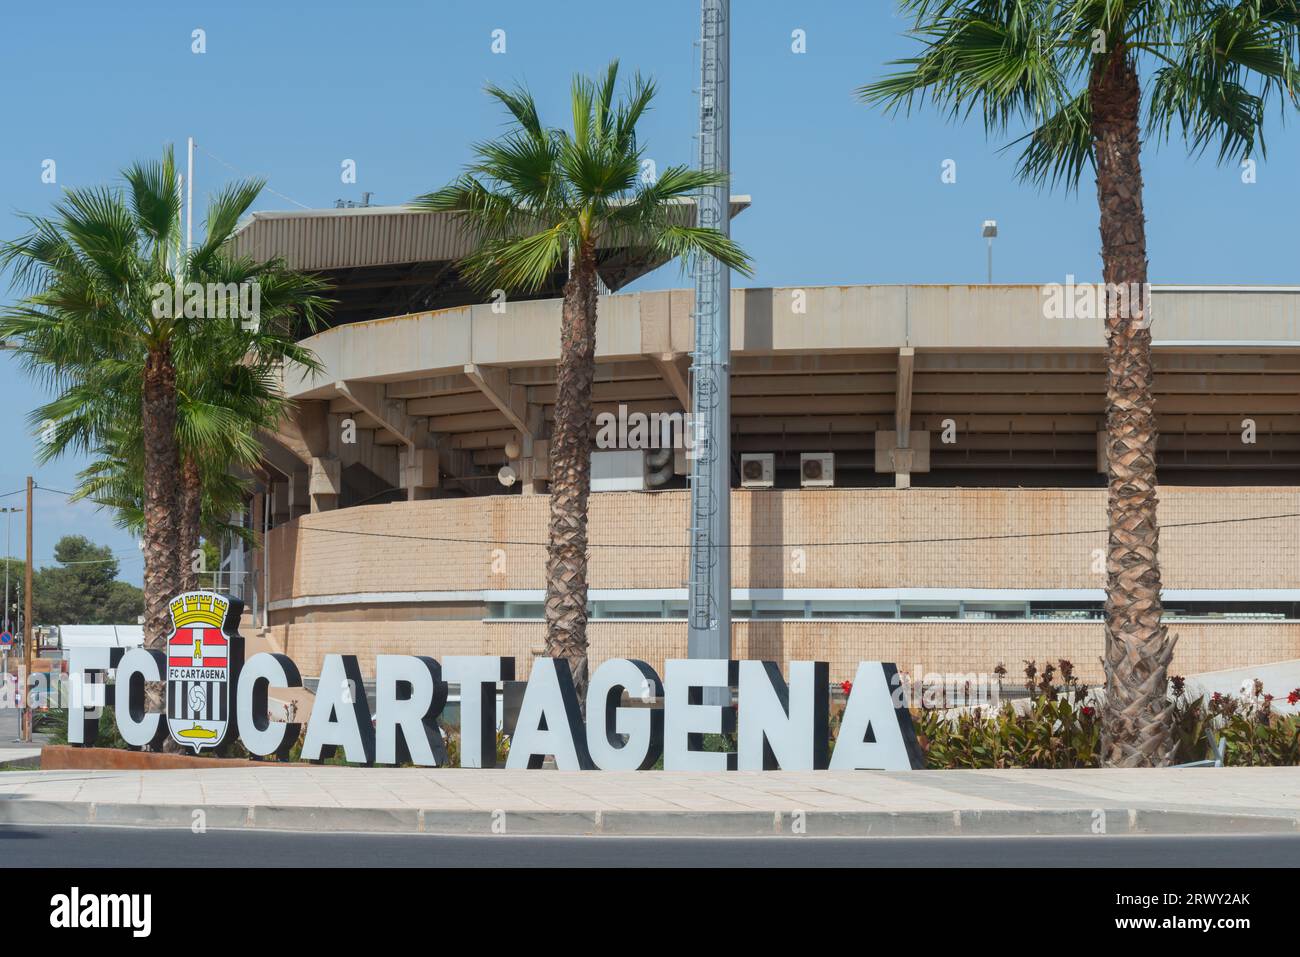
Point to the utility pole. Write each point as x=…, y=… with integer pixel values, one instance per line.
x=709, y=613
x=27, y=624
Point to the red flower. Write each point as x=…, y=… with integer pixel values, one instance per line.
x=1087, y=711
x=1293, y=697
x=846, y=687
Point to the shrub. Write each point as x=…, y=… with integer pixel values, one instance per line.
x=1054, y=733
x=55, y=724
x=1060, y=728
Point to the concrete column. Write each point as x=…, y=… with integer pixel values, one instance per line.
x=280, y=508
x=534, y=462
x=902, y=468
x=325, y=484
x=299, y=499
x=256, y=571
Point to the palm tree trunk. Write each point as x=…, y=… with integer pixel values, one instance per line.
x=566, y=551
x=161, y=481
x=191, y=503
x=1137, y=718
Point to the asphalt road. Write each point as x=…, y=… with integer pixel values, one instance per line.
x=22, y=846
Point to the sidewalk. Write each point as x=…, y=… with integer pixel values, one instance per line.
x=862, y=803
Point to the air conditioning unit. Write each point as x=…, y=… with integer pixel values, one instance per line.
x=757, y=470
x=621, y=470
x=817, y=469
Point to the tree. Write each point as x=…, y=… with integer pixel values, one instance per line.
x=1070, y=71
x=98, y=326
x=82, y=589
x=539, y=199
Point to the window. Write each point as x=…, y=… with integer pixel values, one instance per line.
x=926, y=610
x=994, y=610
x=854, y=609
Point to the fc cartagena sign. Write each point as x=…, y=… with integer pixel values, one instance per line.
x=213, y=693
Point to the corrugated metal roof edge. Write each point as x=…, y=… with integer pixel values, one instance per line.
x=739, y=203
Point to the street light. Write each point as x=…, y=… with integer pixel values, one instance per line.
x=990, y=233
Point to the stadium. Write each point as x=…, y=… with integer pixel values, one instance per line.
x=916, y=473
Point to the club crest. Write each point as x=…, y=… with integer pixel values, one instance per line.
x=199, y=661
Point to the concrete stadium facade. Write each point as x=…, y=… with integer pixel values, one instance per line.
x=964, y=526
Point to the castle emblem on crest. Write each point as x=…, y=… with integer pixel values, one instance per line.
x=198, y=669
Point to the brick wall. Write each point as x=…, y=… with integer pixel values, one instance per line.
x=475, y=544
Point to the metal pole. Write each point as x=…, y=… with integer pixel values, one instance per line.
x=990, y=261
x=189, y=199
x=9, y=528
x=709, y=615
x=27, y=622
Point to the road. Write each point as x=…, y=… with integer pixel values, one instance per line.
x=11, y=728
x=22, y=846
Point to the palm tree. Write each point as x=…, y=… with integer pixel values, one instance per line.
x=229, y=385
x=1069, y=70
x=541, y=197
x=94, y=327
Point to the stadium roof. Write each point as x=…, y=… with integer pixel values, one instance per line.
x=393, y=260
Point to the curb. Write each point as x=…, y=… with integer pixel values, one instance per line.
x=1057, y=822
x=32, y=761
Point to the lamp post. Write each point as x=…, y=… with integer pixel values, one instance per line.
x=990, y=233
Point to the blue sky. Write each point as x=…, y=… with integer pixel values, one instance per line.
x=841, y=194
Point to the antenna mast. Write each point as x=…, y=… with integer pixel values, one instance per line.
x=709, y=612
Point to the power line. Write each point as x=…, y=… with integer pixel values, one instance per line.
x=100, y=561
x=125, y=556
x=234, y=169
x=860, y=544
x=749, y=545
x=56, y=491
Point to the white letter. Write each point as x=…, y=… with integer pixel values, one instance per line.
x=261, y=734
x=83, y=728
x=608, y=721
x=406, y=728
x=873, y=732
x=331, y=723
x=137, y=727
x=550, y=721
x=687, y=719
x=477, y=677
x=782, y=727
